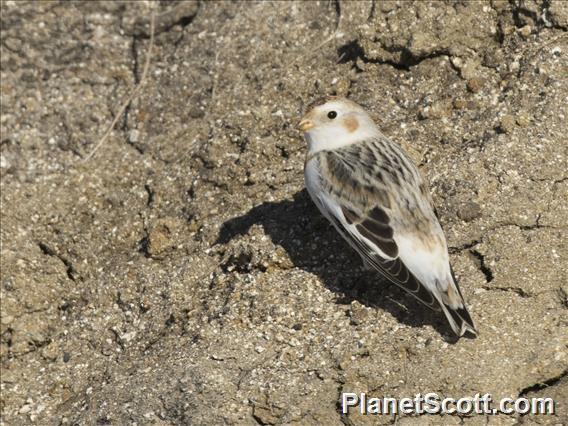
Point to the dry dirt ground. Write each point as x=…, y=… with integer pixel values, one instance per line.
x=182, y=275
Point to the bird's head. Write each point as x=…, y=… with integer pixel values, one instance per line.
x=332, y=122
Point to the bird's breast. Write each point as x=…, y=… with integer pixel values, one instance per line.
x=312, y=177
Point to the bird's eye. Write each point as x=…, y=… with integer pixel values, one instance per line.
x=331, y=115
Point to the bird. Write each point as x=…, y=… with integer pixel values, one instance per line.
x=370, y=190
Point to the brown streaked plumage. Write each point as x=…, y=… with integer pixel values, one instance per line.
x=375, y=197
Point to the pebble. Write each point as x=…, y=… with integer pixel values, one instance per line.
x=134, y=136
x=50, y=352
x=7, y=319
x=469, y=70
x=474, y=85
x=525, y=31
x=163, y=236
x=507, y=124
x=435, y=111
x=523, y=120
x=469, y=211
x=25, y=409
x=196, y=112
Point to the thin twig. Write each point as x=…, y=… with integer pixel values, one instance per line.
x=132, y=95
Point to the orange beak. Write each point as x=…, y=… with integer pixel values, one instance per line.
x=306, y=125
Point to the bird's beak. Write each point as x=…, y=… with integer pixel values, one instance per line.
x=305, y=125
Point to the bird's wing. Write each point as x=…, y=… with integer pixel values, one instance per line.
x=373, y=238
x=389, y=244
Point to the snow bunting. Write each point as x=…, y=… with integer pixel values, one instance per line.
x=373, y=194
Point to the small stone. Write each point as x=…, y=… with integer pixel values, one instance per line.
x=469, y=211
x=13, y=44
x=558, y=13
x=357, y=314
x=163, y=236
x=435, y=111
x=387, y=6
x=525, y=31
x=194, y=225
x=280, y=259
x=7, y=319
x=196, y=112
x=507, y=29
x=420, y=43
x=493, y=58
x=25, y=409
x=523, y=120
x=463, y=104
x=134, y=136
x=471, y=104
x=507, y=124
x=342, y=87
x=268, y=415
x=470, y=69
x=158, y=241
x=314, y=25
x=456, y=61
x=50, y=352
x=499, y=5
x=474, y=85
x=4, y=163
x=460, y=104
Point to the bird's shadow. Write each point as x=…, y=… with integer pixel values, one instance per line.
x=314, y=246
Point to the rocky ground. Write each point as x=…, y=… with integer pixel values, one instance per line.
x=181, y=275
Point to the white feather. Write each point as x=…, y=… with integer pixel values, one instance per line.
x=430, y=266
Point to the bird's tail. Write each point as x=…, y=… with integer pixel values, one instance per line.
x=459, y=319
x=453, y=306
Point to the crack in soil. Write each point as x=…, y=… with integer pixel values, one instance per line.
x=480, y=258
x=465, y=246
x=351, y=51
x=343, y=418
x=69, y=268
x=522, y=293
x=553, y=381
